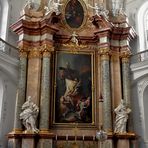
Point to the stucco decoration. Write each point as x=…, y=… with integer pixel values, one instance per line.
x=99, y=10
x=53, y=7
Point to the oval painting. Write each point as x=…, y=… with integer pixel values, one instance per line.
x=74, y=14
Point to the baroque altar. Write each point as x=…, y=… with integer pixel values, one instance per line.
x=74, y=64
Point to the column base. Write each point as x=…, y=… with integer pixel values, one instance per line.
x=28, y=142
x=14, y=143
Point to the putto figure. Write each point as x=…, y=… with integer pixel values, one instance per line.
x=121, y=117
x=74, y=38
x=99, y=10
x=29, y=115
x=53, y=7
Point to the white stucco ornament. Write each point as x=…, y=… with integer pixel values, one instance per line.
x=99, y=10
x=53, y=7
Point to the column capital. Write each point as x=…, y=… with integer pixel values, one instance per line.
x=46, y=50
x=125, y=55
x=23, y=52
x=35, y=52
x=104, y=53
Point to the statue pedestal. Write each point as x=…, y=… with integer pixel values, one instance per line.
x=46, y=139
x=126, y=140
x=45, y=143
x=123, y=143
x=106, y=144
x=30, y=140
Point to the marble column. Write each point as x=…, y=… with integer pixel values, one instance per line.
x=20, y=98
x=45, y=93
x=126, y=78
x=46, y=136
x=106, y=90
x=126, y=84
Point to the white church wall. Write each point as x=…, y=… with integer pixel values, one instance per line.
x=8, y=85
x=140, y=101
x=7, y=102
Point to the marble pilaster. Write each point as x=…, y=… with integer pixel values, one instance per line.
x=116, y=79
x=106, y=92
x=34, y=74
x=20, y=98
x=45, y=92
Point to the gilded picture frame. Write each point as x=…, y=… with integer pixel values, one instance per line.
x=74, y=88
x=74, y=14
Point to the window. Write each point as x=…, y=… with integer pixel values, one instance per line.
x=146, y=28
x=3, y=18
x=142, y=23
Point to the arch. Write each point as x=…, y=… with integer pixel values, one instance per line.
x=7, y=106
x=140, y=25
x=4, y=18
x=143, y=101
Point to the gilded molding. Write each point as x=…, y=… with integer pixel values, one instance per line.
x=17, y=131
x=44, y=131
x=73, y=46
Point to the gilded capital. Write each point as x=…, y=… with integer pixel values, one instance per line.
x=104, y=53
x=23, y=52
x=46, y=50
x=46, y=54
x=35, y=52
x=125, y=55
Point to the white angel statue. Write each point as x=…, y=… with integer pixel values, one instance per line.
x=96, y=7
x=53, y=7
x=28, y=4
x=99, y=10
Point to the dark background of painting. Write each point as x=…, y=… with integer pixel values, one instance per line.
x=74, y=14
